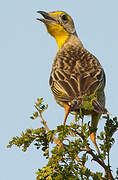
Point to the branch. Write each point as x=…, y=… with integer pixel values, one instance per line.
x=60, y=145
x=56, y=141
x=107, y=169
x=95, y=158
x=80, y=163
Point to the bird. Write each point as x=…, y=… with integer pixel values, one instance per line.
x=77, y=79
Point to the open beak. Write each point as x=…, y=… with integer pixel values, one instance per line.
x=47, y=18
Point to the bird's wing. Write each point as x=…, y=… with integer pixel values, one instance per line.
x=61, y=86
x=83, y=77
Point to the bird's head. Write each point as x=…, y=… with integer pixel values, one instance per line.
x=59, y=24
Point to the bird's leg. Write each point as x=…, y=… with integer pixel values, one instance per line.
x=76, y=117
x=94, y=123
x=82, y=118
x=67, y=110
x=93, y=139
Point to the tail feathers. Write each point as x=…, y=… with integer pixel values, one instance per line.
x=76, y=103
x=99, y=108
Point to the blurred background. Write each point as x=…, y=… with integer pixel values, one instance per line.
x=26, y=55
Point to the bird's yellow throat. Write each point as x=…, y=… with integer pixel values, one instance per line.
x=58, y=32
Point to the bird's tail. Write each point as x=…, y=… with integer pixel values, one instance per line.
x=99, y=108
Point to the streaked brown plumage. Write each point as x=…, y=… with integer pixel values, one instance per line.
x=76, y=73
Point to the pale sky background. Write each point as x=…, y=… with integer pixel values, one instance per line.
x=26, y=55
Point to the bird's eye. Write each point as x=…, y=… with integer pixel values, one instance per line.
x=64, y=18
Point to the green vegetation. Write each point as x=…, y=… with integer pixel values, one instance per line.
x=67, y=159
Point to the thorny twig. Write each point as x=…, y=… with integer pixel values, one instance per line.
x=56, y=141
x=107, y=169
x=89, y=150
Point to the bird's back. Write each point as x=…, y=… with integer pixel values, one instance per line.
x=76, y=73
